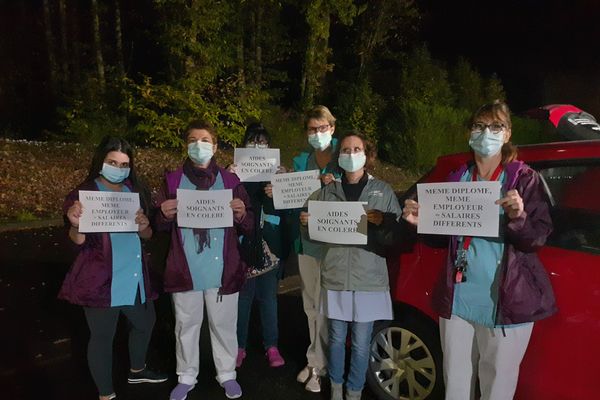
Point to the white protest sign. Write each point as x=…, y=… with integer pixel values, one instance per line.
x=108, y=211
x=459, y=208
x=256, y=165
x=204, y=208
x=293, y=189
x=341, y=222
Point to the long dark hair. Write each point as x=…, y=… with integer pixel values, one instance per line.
x=113, y=143
x=256, y=131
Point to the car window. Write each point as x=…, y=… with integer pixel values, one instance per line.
x=574, y=192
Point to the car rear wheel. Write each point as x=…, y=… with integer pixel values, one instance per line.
x=405, y=360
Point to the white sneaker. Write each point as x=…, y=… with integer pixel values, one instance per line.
x=303, y=375
x=314, y=382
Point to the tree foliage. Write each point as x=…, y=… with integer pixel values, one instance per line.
x=146, y=68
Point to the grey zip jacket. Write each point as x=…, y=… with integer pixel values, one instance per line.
x=360, y=267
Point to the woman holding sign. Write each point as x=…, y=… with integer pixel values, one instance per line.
x=110, y=275
x=204, y=267
x=354, y=278
x=263, y=253
x=493, y=289
x=319, y=126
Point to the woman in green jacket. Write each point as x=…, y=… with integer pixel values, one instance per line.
x=354, y=278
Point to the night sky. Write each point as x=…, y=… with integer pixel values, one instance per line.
x=544, y=51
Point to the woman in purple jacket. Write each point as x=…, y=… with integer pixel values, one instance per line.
x=110, y=275
x=204, y=267
x=493, y=289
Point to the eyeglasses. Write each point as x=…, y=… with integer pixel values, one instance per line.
x=495, y=127
x=315, y=129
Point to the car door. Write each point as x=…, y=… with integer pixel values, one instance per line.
x=561, y=361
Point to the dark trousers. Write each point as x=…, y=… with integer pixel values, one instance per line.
x=102, y=323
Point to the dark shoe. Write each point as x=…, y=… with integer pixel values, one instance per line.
x=146, y=376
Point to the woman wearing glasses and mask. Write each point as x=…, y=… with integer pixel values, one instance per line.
x=319, y=125
x=493, y=289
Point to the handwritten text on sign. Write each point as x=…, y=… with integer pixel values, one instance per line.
x=459, y=208
x=341, y=222
x=108, y=211
x=293, y=189
x=204, y=208
x=256, y=165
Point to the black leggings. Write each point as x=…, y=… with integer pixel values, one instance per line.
x=103, y=324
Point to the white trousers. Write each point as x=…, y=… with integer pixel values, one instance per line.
x=222, y=323
x=310, y=277
x=472, y=350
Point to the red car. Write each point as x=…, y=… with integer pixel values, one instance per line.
x=563, y=355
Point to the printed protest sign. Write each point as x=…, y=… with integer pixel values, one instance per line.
x=256, y=165
x=204, y=208
x=293, y=189
x=341, y=222
x=459, y=208
x=108, y=211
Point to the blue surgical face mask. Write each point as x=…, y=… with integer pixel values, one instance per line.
x=486, y=143
x=200, y=152
x=320, y=140
x=352, y=162
x=114, y=174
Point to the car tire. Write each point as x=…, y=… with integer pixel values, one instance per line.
x=405, y=359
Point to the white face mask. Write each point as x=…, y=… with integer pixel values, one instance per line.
x=320, y=140
x=486, y=143
x=352, y=162
x=200, y=152
x=257, y=146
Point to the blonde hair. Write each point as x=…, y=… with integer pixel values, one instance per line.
x=319, y=112
x=498, y=110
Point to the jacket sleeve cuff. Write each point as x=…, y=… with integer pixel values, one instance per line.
x=517, y=224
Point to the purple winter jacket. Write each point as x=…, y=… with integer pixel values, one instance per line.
x=525, y=293
x=177, y=273
x=88, y=282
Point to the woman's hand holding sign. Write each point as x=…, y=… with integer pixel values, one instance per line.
x=304, y=218
x=512, y=204
x=73, y=214
x=410, y=212
x=169, y=208
x=327, y=178
x=374, y=217
x=239, y=209
x=143, y=224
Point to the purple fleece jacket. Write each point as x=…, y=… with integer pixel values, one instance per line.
x=177, y=273
x=525, y=293
x=88, y=282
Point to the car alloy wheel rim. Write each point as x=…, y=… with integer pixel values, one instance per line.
x=402, y=364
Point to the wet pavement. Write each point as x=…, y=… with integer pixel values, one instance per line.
x=43, y=340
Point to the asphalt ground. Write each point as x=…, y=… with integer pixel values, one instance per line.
x=43, y=340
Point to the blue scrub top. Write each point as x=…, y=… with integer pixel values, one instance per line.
x=476, y=300
x=206, y=268
x=127, y=274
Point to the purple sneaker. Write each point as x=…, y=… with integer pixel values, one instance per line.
x=232, y=389
x=180, y=391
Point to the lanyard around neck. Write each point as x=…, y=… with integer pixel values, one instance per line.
x=494, y=177
x=459, y=277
